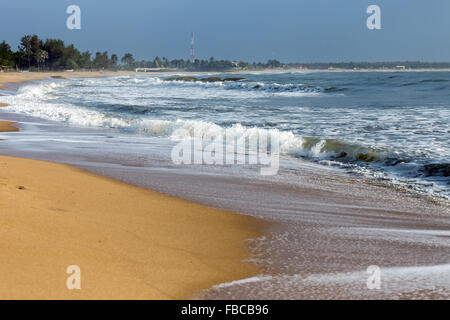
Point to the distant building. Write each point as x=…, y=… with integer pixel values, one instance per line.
x=400, y=67
x=150, y=69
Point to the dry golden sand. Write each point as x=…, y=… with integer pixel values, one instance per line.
x=130, y=243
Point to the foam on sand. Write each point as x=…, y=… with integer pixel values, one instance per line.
x=418, y=282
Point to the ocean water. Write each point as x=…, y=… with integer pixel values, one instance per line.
x=389, y=126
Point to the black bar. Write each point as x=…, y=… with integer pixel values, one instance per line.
x=238, y=310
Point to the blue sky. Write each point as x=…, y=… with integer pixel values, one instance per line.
x=289, y=30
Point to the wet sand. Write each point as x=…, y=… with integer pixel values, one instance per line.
x=7, y=126
x=329, y=227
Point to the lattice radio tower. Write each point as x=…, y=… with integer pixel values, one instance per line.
x=192, y=58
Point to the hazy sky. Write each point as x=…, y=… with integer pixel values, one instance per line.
x=289, y=30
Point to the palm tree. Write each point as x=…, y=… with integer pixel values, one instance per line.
x=25, y=47
x=114, y=60
x=128, y=59
x=41, y=56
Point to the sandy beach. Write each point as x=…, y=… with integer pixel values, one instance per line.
x=129, y=242
x=326, y=227
x=232, y=164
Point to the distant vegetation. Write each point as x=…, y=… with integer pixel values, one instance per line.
x=35, y=54
x=373, y=65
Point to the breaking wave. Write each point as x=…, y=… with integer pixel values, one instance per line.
x=243, y=84
x=154, y=107
x=290, y=144
x=37, y=101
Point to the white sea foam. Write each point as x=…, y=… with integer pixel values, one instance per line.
x=149, y=105
x=422, y=282
x=272, y=88
x=243, y=281
x=37, y=101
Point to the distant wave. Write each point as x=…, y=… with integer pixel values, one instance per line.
x=436, y=169
x=252, y=86
x=434, y=80
x=424, y=81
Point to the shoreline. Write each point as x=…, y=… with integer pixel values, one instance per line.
x=315, y=221
x=129, y=242
x=17, y=77
x=7, y=78
x=7, y=126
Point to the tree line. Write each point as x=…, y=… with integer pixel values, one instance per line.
x=35, y=54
